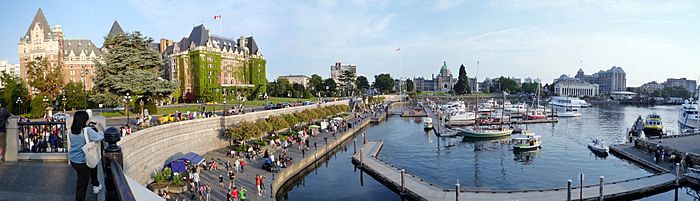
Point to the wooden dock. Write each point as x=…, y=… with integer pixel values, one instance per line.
x=419, y=189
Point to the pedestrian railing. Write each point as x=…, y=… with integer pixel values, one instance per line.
x=42, y=137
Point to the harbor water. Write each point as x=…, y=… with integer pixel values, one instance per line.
x=488, y=164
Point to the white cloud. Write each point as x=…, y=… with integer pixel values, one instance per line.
x=441, y=5
x=587, y=7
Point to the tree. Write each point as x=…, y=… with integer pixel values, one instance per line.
x=15, y=89
x=316, y=83
x=263, y=125
x=298, y=90
x=44, y=77
x=383, y=82
x=462, y=86
x=129, y=66
x=531, y=88
x=362, y=83
x=503, y=84
x=75, y=96
x=277, y=122
x=675, y=91
x=409, y=85
x=329, y=86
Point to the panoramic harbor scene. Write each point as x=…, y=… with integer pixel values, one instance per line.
x=350, y=100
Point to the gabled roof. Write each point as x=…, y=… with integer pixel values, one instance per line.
x=79, y=45
x=116, y=29
x=223, y=44
x=199, y=35
x=252, y=46
x=39, y=20
x=184, y=43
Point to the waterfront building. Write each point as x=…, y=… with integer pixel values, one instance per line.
x=608, y=81
x=205, y=64
x=338, y=69
x=574, y=87
x=422, y=84
x=690, y=85
x=12, y=69
x=652, y=86
x=296, y=79
x=75, y=57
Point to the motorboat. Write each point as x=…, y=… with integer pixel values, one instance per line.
x=517, y=108
x=568, y=102
x=688, y=116
x=569, y=112
x=461, y=117
x=598, y=146
x=527, y=140
x=484, y=132
x=653, y=126
x=536, y=114
x=427, y=123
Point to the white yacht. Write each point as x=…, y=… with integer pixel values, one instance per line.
x=517, y=108
x=461, y=117
x=688, y=116
x=568, y=102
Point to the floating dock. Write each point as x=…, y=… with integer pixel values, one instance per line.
x=419, y=189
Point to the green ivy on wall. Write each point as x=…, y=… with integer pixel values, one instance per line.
x=205, y=66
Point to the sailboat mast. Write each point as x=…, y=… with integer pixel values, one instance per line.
x=503, y=109
x=476, y=105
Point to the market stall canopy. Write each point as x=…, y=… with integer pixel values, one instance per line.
x=193, y=158
x=177, y=166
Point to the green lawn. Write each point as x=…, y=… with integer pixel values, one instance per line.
x=220, y=107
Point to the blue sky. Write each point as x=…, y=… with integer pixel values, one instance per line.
x=651, y=40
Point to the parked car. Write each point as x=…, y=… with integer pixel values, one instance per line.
x=307, y=103
x=118, y=108
x=60, y=116
x=166, y=118
x=270, y=106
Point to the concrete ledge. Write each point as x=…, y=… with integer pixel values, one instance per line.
x=48, y=157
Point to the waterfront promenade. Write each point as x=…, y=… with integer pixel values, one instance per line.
x=420, y=189
x=246, y=179
x=40, y=181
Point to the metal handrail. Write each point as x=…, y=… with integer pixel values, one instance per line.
x=121, y=186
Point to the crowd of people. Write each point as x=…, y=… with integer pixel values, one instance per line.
x=42, y=138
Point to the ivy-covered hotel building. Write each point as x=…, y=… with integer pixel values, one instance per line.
x=206, y=65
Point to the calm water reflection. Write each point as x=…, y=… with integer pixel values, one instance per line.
x=489, y=164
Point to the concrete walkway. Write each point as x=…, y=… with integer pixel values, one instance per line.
x=41, y=181
x=246, y=179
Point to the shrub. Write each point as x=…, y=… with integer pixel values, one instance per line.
x=277, y=122
x=291, y=119
x=263, y=126
x=178, y=181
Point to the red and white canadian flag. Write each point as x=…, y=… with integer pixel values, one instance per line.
x=217, y=17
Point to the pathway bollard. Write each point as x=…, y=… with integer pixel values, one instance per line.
x=580, y=195
x=403, y=181
x=568, y=190
x=457, y=191
x=364, y=139
x=602, y=180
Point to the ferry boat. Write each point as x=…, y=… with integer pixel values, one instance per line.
x=485, y=132
x=688, y=117
x=568, y=102
x=653, y=126
x=526, y=141
x=427, y=123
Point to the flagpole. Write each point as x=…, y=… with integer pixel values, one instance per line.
x=220, y=24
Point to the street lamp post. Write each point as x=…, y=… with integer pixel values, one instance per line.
x=63, y=100
x=46, y=106
x=224, y=102
x=19, y=103
x=267, y=102
x=127, y=100
x=84, y=73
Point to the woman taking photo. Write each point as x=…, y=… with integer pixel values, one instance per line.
x=77, y=156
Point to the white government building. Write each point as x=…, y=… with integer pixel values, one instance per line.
x=573, y=87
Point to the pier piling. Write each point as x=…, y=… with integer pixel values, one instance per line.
x=568, y=190
x=354, y=146
x=580, y=195
x=457, y=191
x=403, y=181
x=602, y=180
x=678, y=174
x=362, y=155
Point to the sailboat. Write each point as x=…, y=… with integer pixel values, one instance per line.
x=485, y=132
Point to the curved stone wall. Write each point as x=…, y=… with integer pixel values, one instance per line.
x=147, y=150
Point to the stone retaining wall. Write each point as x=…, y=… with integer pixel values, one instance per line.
x=297, y=167
x=147, y=150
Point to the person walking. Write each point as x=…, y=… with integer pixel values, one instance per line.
x=242, y=195
x=78, y=130
x=234, y=193
x=257, y=184
x=237, y=165
x=243, y=163
x=221, y=181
